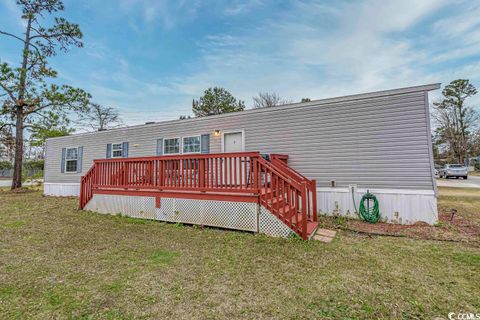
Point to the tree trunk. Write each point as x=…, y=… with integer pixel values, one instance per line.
x=17, y=169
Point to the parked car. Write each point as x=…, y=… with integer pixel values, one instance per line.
x=454, y=170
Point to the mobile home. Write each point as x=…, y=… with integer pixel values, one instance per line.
x=245, y=170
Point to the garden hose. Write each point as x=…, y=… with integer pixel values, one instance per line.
x=368, y=214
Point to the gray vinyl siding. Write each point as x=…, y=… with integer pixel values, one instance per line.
x=375, y=141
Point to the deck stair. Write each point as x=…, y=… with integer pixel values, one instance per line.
x=244, y=176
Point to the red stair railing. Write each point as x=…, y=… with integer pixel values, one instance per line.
x=281, y=163
x=86, y=186
x=287, y=198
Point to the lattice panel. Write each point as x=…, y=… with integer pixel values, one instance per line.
x=272, y=226
x=225, y=214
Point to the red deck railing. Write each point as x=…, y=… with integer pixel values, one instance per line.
x=277, y=187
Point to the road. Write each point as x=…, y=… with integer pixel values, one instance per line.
x=5, y=183
x=471, y=182
x=8, y=183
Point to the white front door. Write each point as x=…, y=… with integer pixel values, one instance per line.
x=233, y=142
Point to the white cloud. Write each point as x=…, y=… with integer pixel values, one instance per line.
x=362, y=47
x=152, y=12
x=458, y=25
x=15, y=12
x=239, y=7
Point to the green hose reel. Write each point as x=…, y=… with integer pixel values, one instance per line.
x=368, y=212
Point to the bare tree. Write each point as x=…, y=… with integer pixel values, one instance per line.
x=267, y=100
x=456, y=122
x=101, y=118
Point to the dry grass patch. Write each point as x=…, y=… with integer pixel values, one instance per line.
x=58, y=262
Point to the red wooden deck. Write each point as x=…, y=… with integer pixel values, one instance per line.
x=238, y=177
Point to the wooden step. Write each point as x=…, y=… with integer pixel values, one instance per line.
x=275, y=200
x=265, y=191
x=300, y=218
x=284, y=211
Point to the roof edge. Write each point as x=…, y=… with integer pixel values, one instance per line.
x=358, y=96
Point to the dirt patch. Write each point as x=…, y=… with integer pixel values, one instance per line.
x=19, y=190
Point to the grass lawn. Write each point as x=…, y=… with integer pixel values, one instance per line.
x=58, y=262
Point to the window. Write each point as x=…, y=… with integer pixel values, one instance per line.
x=117, y=151
x=191, y=144
x=71, y=160
x=171, y=146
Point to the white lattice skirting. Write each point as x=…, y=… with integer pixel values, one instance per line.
x=225, y=214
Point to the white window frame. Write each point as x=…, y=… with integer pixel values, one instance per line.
x=66, y=160
x=121, y=149
x=195, y=136
x=180, y=146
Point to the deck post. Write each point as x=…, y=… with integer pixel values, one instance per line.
x=257, y=180
x=304, y=210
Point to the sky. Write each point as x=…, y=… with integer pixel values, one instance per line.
x=150, y=58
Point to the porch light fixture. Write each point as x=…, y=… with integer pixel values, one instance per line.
x=216, y=133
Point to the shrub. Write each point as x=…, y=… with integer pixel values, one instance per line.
x=34, y=164
x=6, y=165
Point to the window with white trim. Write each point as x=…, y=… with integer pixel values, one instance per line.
x=171, y=146
x=191, y=144
x=71, y=160
x=117, y=150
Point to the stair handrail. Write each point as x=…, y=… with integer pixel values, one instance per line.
x=286, y=177
x=311, y=184
x=86, y=186
x=301, y=187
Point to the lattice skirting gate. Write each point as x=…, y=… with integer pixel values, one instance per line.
x=225, y=214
